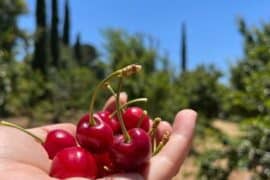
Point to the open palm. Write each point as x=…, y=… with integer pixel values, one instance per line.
x=21, y=157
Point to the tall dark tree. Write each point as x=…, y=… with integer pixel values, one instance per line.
x=54, y=34
x=66, y=28
x=183, y=48
x=39, y=61
x=78, y=49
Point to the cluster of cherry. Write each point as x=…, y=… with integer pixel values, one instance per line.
x=105, y=142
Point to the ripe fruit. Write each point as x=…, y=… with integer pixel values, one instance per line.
x=105, y=165
x=132, y=117
x=73, y=162
x=96, y=138
x=129, y=156
x=111, y=121
x=57, y=140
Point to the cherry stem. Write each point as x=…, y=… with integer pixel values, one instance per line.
x=164, y=140
x=141, y=119
x=123, y=72
x=120, y=118
x=9, y=124
x=129, y=103
x=153, y=132
x=109, y=87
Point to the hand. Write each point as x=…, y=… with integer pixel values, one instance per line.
x=21, y=157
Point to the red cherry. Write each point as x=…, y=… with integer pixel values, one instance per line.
x=133, y=115
x=130, y=156
x=57, y=140
x=105, y=165
x=97, y=138
x=113, y=122
x=73, y=162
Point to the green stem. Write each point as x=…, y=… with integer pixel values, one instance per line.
x=9, y=124
x=154, y=127
x=123, y=72
x=120, y=118
x=129, y=103
x=164, y=140
x=153, y=132
x=141, y=119
x=109, y=87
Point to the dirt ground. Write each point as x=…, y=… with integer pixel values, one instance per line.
x=189, y=169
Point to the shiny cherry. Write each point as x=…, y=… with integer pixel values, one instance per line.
x=130, y=156
x=105, y=165
x=96, y=138
x=73, y=162
x=112, y=121
x=133, y=115
x=56, y=140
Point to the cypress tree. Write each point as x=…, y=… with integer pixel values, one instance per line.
x=39, y=61
x=54, y=34
x=183, y=48
x=78, y=49
x=66, y=28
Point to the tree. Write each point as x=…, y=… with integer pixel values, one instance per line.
x=10, y=10
x=39, y=61
x=55, y=50
x=183, y=48
x=66, y=28
x=124, y=49
x=200, y=90
x=10, y=34
x=248, y=102
x=78, y=49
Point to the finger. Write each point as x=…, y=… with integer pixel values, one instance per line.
x=18, y=146
x=42, y=131
x=10, y=169
x=110, y=104
x=163, y=127
x=166, y=164
x=126, y=176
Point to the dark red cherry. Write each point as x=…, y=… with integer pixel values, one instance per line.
x=112, y=121
x=133, y=115
x=96, y=138
x=130, y=156
x=73, y=162
x=57, y=140
x=105, y=165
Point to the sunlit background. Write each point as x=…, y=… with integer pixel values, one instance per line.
x=211, y=56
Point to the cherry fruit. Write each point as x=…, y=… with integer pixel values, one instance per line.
x=57, y=140
x=105, y=165
x=131, y=155
x=111, y=121
x=135, y=117
x=73, y=162
x=96, y=138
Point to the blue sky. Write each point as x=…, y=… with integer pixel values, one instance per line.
x=213, y=36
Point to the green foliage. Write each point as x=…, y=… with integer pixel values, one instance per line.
x=66, y=26
x=55, y=49
x=123, y=49
x=153, y=83
x=40, y=59
x=184, y=49
x=10, y=10
x=200, y=89
x=78, y=49
x=248, y=101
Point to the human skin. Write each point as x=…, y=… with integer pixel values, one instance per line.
x=22, y=157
